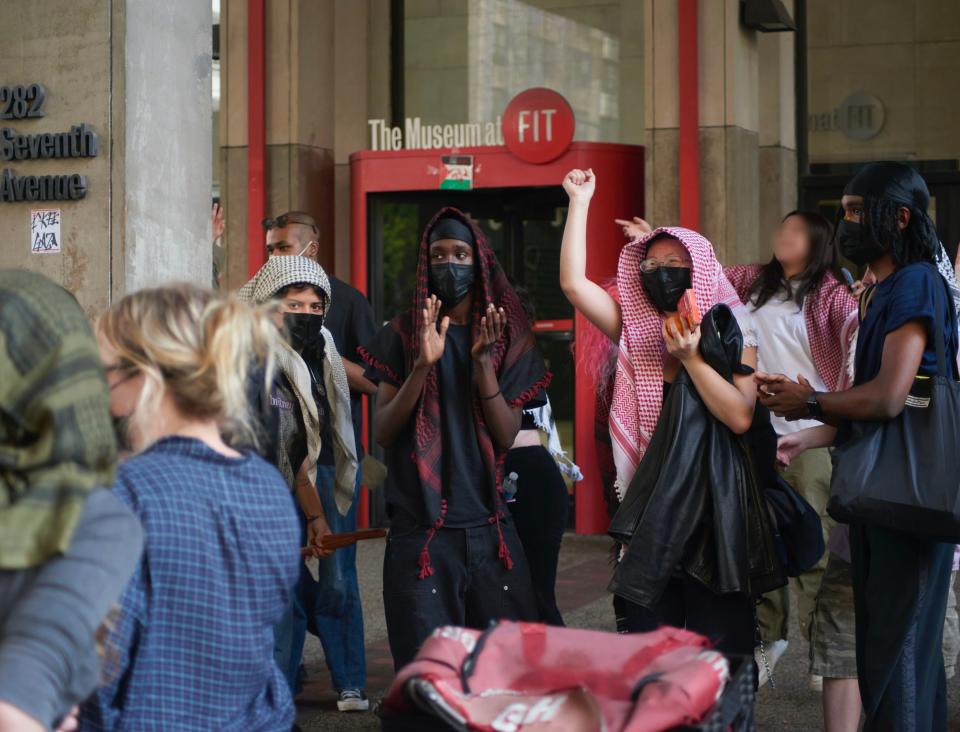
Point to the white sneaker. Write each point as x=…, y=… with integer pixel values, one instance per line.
x=353, y=700
x=773, y=651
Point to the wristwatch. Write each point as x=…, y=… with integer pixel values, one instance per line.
x=813, y=406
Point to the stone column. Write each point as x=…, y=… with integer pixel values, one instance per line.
x=747, y=142
x=778, y=136
x=138, y=73
x=167, y=166
x=327, y=65
x=299, y=119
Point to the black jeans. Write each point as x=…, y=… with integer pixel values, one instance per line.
x=470, y=585
x=727, y=620
x=540, y=513
x=900, y=586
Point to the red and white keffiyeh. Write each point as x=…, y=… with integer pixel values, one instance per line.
x=830, y=315
x=638, y=385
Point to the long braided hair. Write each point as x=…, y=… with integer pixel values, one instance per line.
x=917, y=242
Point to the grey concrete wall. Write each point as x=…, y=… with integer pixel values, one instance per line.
x=167, y=128
x=139, y=73
x=66, y=47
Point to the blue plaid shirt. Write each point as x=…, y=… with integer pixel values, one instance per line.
x=194, y=640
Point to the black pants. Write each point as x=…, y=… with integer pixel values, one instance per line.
x=470, y=585
x=540, y=513
x=900, y=586
x=727, y=620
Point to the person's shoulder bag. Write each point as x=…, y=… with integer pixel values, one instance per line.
x=904, y=473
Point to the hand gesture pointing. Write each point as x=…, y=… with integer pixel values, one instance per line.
x=432, y=339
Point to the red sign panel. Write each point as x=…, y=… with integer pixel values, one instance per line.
x=538, y=125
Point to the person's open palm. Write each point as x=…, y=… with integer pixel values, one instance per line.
x=492, y=326
x=432, y=339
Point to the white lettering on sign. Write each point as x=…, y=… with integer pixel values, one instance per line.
x=515, y=716
x=45, y=231
x=530, y=118
x=451, y=632
x=415, y=135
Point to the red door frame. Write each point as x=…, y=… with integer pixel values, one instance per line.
x=620, y=176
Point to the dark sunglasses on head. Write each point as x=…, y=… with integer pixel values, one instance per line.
x=281, y=222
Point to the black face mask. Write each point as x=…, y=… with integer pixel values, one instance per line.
x=666, y=285
x=854, y=246
x=121, y=429
x=305, y=335
x=451, y=282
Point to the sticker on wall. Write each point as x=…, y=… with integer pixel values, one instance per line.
x=45, y=231
x=456, y=173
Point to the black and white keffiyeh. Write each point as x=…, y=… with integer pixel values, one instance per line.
x=276, y=274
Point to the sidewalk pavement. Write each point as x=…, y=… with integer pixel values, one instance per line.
x=582, y=595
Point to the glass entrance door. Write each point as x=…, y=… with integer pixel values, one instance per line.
x=524, y=226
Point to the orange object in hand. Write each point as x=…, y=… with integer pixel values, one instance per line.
x=688, y=312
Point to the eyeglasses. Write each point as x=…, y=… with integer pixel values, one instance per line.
x=652, y=265
x=281, y=222
x=126, y=371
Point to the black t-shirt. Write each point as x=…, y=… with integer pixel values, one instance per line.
x=404, y=494
x=350, y=321
x=466, y=485
x=291, y=436
x=279, y=424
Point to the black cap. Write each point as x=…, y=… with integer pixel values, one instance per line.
x=451, y=228
x=893, y=181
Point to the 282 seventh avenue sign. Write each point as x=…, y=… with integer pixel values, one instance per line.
x=24, y=102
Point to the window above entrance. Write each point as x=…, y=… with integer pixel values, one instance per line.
x=464, y=61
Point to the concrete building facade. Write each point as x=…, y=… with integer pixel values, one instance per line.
x=137, y=75
x=122, y=120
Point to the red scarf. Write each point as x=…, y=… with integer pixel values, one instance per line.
x=490, y=286
x=830, y=314
x=638, y=386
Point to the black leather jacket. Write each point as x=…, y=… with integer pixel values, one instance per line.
x=696, y=502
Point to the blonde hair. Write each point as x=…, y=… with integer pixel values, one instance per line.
x=196, y=346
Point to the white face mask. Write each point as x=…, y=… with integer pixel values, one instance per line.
x=301, y=253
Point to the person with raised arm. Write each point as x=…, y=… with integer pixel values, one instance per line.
x=657, y=353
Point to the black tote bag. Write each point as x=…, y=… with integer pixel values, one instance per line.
x=799, y=529
x=904, y=474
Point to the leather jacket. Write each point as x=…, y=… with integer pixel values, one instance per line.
x=696, y=502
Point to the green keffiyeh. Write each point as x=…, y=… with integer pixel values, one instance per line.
x=56, y=437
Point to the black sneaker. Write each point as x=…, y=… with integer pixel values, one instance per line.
x=353, y=700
